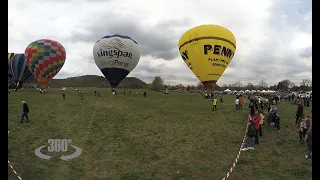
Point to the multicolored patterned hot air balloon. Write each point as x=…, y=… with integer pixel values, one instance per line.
x=19, y=69
x=45, y=58
x=10, y=56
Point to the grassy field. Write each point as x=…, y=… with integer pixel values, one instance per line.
x=129, y=137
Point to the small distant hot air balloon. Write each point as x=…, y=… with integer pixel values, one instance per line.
x=207, y=50
x=10, y=55
x=19, y=69
x=116, y=56
x=45, y=58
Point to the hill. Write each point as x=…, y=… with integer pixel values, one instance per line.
x=91, y=81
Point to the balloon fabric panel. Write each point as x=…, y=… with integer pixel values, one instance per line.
x=19, y=69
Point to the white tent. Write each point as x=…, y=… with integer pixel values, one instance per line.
x=253, y=91
x=247, y=90
x=227, y=90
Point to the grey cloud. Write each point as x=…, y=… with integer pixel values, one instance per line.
x=148, y=68
x=291, y=13
x=159, y=41
x=306, y=53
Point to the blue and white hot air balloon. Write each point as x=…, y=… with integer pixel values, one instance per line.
x=116, y=56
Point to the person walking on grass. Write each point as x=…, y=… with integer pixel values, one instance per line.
x=256, y=120
x=214, y=104
x=261, y=122
x=299, y=112
x=275, y=117
x=25, y=111
x=309, y=142
x=241, y=102
x=249, y=139
x=237, y=103
x=303, y=126
x=63, y=96
x=251, y=106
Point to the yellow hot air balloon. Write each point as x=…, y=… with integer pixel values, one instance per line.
x=207, y=50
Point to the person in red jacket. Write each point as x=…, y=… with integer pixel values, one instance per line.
x=256, y=120
x=241, y=101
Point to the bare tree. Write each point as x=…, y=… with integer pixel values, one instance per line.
x=263, y=84
x=306, y=82
x=250, y=86
x=200, y=86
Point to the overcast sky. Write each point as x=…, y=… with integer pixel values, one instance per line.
x=274, y=39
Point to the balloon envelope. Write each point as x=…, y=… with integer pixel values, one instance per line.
x=207, y=50
x=19, y=69
x=116, y=56
x=10, y=55
x=45, y=58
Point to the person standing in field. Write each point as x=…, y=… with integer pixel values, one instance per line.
x=25, y=111
x=241, y=102
x=251, y=106
x=214, y=104
x=95, y=93
x=63, y=95
x=256, y=120
x=303, y=126
x=83, y=95
x=261, y=122
x=309, y=142
x=308, y=101
x=299, y=112
x=250, y=135
x=221, y=100
x=275, y=117
x=237, y=103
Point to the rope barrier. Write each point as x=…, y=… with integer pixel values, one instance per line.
x=17, y=175
x=237, y=158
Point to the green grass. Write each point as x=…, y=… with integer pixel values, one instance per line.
x=131, y=137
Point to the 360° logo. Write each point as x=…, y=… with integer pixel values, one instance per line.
x=58, y=145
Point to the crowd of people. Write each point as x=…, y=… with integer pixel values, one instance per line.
x=256, y=120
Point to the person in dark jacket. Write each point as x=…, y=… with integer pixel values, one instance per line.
x=250, y=135
x=64, y=96
x=309, y=142
x=144, y=94
x=251, y=106
x=299, y=112
x=25, y=112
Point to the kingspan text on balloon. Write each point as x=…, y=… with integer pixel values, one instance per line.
x=114, y=53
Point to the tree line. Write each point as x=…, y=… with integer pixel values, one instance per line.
x=285, y=85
